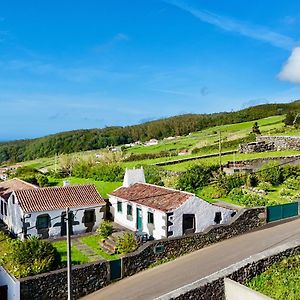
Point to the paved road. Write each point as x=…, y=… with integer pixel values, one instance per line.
x=189, y=268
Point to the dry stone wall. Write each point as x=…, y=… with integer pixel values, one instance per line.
x=53, y=285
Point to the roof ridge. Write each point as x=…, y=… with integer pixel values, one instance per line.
x=166, y=188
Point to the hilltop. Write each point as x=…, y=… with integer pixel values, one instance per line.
x=91, y=139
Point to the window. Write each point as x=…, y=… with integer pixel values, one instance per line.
x=150, y=218
x=89, y=216
x=129, y=210
x=43, y=222
x=119, y=204
x=218, y=217
x=188, y=223
x=2, y=208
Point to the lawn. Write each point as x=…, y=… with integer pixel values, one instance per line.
x=93, y=242
x=280, y=281
x=77, y=257
x=4, y=246
x=103, y=187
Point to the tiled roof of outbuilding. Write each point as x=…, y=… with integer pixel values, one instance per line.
x=53, y=198
x=8, y=186
x=153, y=196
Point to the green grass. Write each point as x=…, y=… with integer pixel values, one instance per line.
x=4, y=246
x=230, y=157
x=103, y=187
x=93, y=242
x=77, y=256
x=280, y=281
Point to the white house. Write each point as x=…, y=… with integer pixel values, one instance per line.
x=162, y=212
x=151, y=142
x=31, y=211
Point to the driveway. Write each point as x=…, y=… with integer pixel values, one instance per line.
x=158, y=281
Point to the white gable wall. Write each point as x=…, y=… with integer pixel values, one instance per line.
x=133, y=176
x=204, y=215
x=158, y=230
x=14, y=215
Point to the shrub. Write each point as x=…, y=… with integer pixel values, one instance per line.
x=292, y=183
x=31, y=257
x=213, y=192
x=152, y=175
x=42, y=180
x=252, y=180
x=247, y=199
x=105, y=229
x=195, y=178
x=284, y=192
x=126, y=243
x=272, y=173
x=107, y=172
x=265, y=186
x=290, y=171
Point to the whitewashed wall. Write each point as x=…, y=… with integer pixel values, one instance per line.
x=204, y=215
x=14, y=215
x=158, y=230
x=13, y=285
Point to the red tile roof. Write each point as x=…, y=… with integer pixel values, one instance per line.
x=153, y=196
x=7, y=187
x=52, y=198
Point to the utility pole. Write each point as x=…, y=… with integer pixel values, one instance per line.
x=69, y=258
x=220, y=151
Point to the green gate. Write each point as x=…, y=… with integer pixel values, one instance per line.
x=115, y=269
x=283, y=211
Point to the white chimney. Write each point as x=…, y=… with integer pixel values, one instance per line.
x=66, y=183
x=133, y=176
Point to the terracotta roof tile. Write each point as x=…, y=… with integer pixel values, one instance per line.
x=7, y=187
x=52, y=198
x=153, y=196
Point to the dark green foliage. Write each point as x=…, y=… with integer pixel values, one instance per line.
x=152, y=175
x=81, y=140
x=31, y=175
x=290, y=118
x=31, y=257
x=255, y=128
x=252, y=180
x=42, y=180
x=247, y=199
x=272, y=173
x=229, y=182
x=105, y=229
x=290, y=171
x=105, y=172
x=195, y=178
x=126, y=243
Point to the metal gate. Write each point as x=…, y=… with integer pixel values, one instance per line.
x=283, y=211
x=3, y=292
x=115, y=269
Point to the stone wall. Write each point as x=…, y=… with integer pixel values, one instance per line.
x=86, y=279
x=212, y=286
x=244, y=221
x=257, y=163
x=271, y=143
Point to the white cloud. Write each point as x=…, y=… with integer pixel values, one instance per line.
x=291, y=70
x=229, y=24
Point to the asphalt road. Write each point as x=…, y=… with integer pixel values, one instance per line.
x=158, y=281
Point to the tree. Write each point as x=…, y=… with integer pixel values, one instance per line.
x=289, y=118
x=255, y=128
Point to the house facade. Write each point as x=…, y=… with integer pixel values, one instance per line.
x=162, y=212
x=42, y=211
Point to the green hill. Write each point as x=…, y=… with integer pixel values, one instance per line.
x=83, y=140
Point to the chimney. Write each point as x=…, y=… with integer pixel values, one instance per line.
x=66, y=183
x=133, y=176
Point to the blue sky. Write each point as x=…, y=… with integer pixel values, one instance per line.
x=87, y=64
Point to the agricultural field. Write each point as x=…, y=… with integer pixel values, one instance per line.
x=280, y=281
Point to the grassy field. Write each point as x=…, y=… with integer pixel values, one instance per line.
x=103, y=187
x=280, y=281
x=231, y=157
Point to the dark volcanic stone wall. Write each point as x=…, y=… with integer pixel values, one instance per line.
x=53, y=285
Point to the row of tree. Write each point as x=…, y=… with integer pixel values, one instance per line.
x=81, y=140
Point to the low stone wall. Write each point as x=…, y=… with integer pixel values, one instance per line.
x=86, y=279
x=271, y=143
x=244, y=221
x=212, y=286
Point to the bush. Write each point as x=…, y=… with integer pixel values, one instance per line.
x=105, y=229
x=272, y=173
x=195, y=178
x=213, y=192
x=31, y=257
x=152, y=175
x=290, y=171
x=247, y=199
x=107, y=172
x=292, y=183
x=265, y=186
x=126, y=243
x=42, y=180
x=252, y=180
x=284, y=192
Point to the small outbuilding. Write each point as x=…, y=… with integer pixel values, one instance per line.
x=162, y=212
